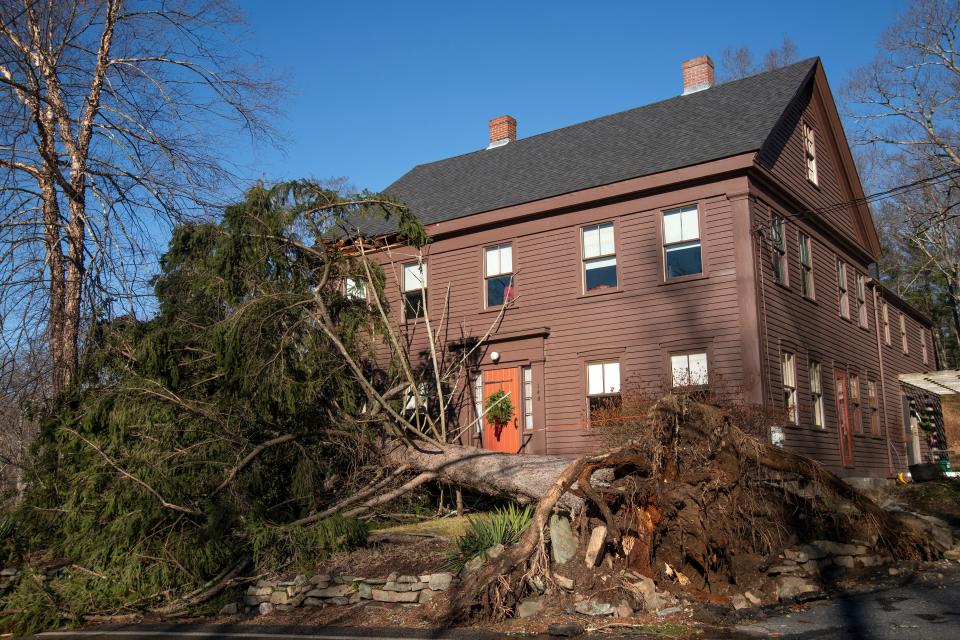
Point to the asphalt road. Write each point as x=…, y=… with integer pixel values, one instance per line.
x=925, y=608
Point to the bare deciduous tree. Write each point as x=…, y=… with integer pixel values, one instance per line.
x=906, y=107
x=738, y=62
x=112, y=115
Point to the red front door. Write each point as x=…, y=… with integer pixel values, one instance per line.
x=843, y=420
x=508, y=381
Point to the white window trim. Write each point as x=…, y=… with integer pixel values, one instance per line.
x=843, y=289
x=788, y=364
x=615, y=381
x=355, y=288
x=810, y=153
x=686, y=369
x=605, y=254
x=816, y=393
x=690, y=235
x=501, y=250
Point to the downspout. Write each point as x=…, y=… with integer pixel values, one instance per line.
x=883, y=377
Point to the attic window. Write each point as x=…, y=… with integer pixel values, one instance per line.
x=810, y=152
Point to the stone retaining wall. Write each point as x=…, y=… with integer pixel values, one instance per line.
x=322, y=590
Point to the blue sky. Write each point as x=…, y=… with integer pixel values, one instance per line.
x=375, y=88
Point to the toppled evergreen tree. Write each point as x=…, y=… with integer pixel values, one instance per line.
x=194, y=446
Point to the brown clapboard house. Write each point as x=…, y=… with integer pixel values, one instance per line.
x=719, y=236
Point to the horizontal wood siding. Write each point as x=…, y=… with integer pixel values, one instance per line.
x=636, y=324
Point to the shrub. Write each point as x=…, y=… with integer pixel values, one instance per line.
x=503, y=526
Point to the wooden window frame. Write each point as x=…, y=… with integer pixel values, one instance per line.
x=885, y=318
x=687, y=353
x=815, y=373
x=487, y=276
x=526, y=380
x=665, y=246
x=904, y=340
x=923, y=347
x=807, y=280
x=424, y=284
x=788, y=363
x=590, y=397
x=854, y=395
x=601, y=256
x=843, y=293
x=810, y=153
x=863, y=319
x=355, y=289
x=873, y=406
x=778, y=240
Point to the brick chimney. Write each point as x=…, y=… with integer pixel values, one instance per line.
x=697, y=74
x=502, y=131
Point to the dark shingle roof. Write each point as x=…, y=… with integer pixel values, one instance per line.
x=726, y=120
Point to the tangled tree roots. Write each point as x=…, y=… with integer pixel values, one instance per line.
x=696, y=491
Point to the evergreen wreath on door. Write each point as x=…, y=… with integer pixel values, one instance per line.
x=499, y=411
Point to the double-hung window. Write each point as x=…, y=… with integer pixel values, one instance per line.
x=681, y=243
x=806, y=266
x=857, y=416
x=789, y=372
x=904, y=344
x=355, y=288
x=689, y=369
x=873, y=407
x=816, y=393
x=498, y=274
x=842, y=288
x=779, y=230
x=885, y=316
x=414, y=290
x=603, y=386
x=862, y=301
x=599, y=257
x=810, y=152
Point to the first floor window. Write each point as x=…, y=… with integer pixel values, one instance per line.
x=806, y=266
x=478, y=402
x=527, y=398
x=599, y=257
x=681, y=243
x=789, y=373
x=603, y=386
x=355, y=288
x=498, y=274
x=688, y=369
x=855, y=411
x=842, y=288
x=816, y=393
x=873, y=406
x=414, y=290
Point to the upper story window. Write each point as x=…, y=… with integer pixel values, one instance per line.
x=885, y=316
x=904, y=344
x=862, y=301
x=806, y=266
x=414, y=290
x=689, y=369
x=779, y=234
x=681, y=243
x=816, y=393
x=498, y=274
x=842, y=288
x=603, y=386
x=923, y=346
x=354, y=288
x=599, y=257
x=789, y=373
x=810, y=152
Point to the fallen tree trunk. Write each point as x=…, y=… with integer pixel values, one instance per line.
x=523, y=478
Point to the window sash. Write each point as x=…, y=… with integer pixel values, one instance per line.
x=527, y=398
x=689, y=369
x=904, y=344
x=779, y=249
x=789, y=375
x=816, y=393
x=862, y=301
x=598, y=240
x=681, y=225
x=354, y=288
x=842, y=286
x=414, y=276
x=603, y=378
x=885, y=314
x=498, y=260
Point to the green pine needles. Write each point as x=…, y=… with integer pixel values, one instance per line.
x=192, y=440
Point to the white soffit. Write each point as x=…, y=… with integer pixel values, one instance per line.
x=944, y=383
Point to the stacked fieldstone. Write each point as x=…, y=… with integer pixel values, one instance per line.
x=798, y=568
x=324, y=590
